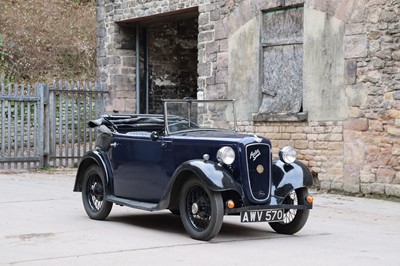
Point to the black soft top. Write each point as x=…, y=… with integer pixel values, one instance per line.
x=131, y=123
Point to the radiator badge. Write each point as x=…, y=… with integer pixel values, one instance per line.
x=254, y=154
x=260, y=169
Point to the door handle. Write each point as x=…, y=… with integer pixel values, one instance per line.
x=114, y=144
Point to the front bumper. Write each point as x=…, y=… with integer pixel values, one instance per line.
x=307, y=206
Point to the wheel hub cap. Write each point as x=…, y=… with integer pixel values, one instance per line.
x=195, y=208
x=97, y=191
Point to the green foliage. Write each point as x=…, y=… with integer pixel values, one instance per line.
x=48, y=169
x=6, y=69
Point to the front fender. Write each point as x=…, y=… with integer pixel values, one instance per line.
x=91, y=157
x=285, y=177
x=213, y=175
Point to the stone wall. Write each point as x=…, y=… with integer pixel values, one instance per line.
x=116, y=38
x=319, y=144
x=358, y=152
x=372, y=132
x=354, y=146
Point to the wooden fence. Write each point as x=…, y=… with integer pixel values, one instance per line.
x=46, y=125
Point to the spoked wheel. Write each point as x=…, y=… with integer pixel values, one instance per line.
x=293, y=219
x=202, y=210
x=93, y=194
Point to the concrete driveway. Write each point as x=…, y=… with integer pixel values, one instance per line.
x=42, y=222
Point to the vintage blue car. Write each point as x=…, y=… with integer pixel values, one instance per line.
x=192, y=161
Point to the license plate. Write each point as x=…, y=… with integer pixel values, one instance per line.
x=274, y=215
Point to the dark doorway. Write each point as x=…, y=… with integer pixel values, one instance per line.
x=168, y=60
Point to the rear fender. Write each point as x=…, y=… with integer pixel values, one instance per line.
x=286, y=177
x=92, y=157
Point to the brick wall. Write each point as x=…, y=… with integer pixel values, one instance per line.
x=319, y=145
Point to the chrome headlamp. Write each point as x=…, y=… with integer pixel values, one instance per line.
x=226, y=155
x=288, y=155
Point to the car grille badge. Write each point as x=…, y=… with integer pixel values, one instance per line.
x=254, y=154
x=260, y=169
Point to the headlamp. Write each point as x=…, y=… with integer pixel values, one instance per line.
x=287, y=155
x=226, y=155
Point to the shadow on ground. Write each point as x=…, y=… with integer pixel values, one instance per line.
x=168, y=222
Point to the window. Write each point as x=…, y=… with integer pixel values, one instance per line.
x=282, y=44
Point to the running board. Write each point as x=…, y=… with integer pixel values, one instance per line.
x=147, y=206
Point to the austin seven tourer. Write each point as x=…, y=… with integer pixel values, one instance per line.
x=192, y=161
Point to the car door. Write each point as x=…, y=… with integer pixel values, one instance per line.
x=138, y=167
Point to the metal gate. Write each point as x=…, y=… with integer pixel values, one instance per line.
x=46, y=125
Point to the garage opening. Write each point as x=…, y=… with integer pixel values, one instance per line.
x=167, y=62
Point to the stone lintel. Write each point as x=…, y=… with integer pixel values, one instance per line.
x=281, y=117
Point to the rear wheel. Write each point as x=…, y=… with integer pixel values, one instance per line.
x=293, y=219
x=201, y=210
x=93, y=194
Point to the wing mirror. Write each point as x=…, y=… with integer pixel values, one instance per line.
x=154, y=136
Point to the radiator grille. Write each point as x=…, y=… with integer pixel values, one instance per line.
x=259, y=169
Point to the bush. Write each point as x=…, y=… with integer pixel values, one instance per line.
x=45, y=40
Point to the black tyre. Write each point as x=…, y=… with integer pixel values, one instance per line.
x=293, y=219
x=175, y=211
x=93, y=194
x=202, y=210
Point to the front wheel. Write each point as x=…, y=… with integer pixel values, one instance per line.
x=293, y=219
x=93, y=194
x=201, y=210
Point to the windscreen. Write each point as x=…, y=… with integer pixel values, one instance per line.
x=200, y=115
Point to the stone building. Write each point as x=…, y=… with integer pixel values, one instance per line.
x=322, y=76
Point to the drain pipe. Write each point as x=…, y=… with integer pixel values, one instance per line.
x=137, y=69
x=146, y=68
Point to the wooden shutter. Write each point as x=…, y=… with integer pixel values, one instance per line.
x=282, y=40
